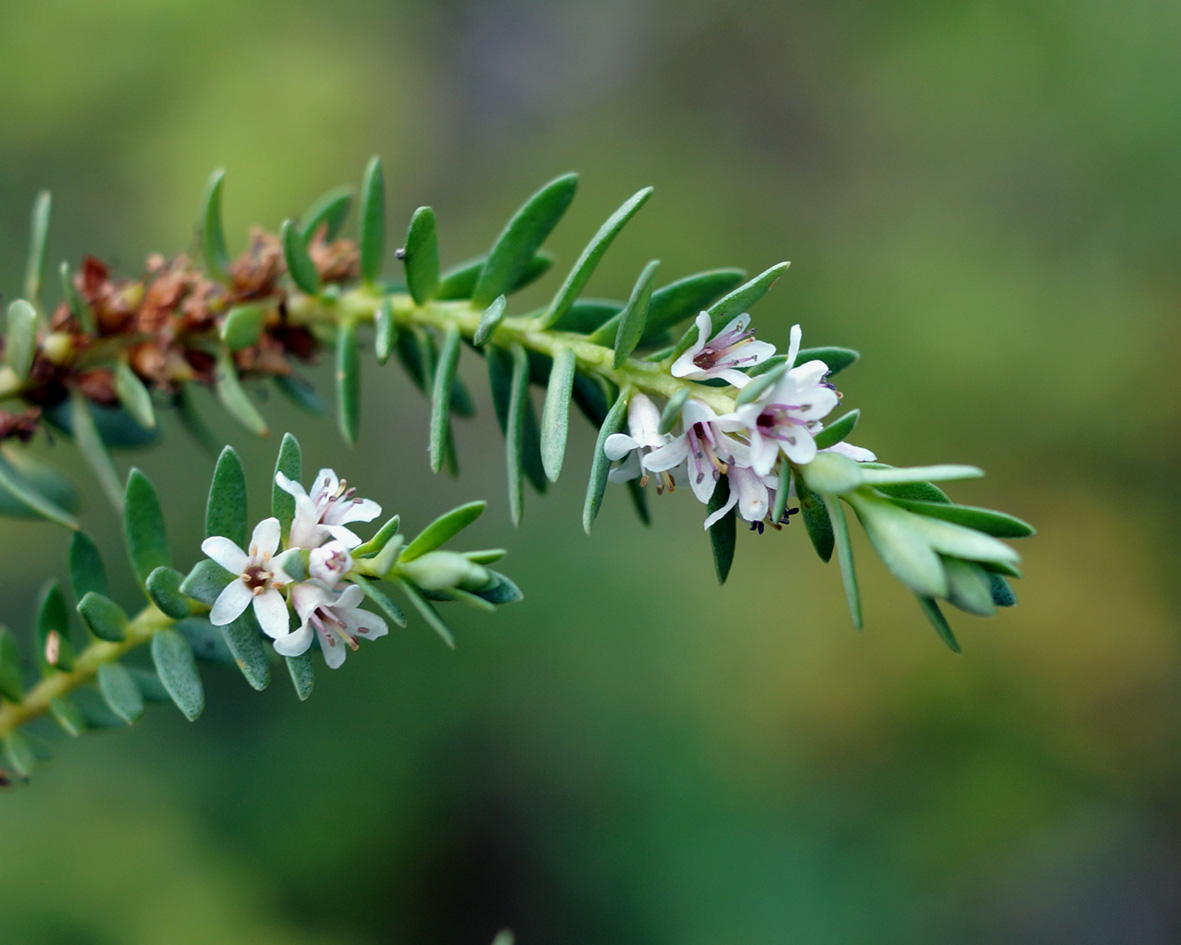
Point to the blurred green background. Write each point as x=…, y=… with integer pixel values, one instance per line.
x=982, y=197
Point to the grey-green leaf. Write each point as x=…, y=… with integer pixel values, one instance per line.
x=382, y=600
x=600, y=464
x=421, y=256
x=206, y=581
x=492, y=317
x=38, y=240
x=816, y=519
x=555, y=415
x=163, y=587
x=104, y=617
x=177, y=670
x=836, y=358
x=87, y=572
x=968, y=587
x=300, y=267
x=838, y=430
x=635, y=315
x=444, y=381
x=686, y=297
x=242, y=637
x=348, y=381
x=53, y=617
x=134, y=395
x=734, y=303
x=760, y=385
x=11, y=685
x=28, y=499
x=234, y=398
x=939, y=622
x=205, y=640
x=429, y=614
x=372, y=221
x=213, y=237
x=20, y=337
x=384, y=331
x=330, y=211
x=303, y=674
x=529, y=227
x=143, y=527
x=93, y=451
x=289, y=462
x=459, y=281
x=67, y=715
x=445, y=527
x=242, y=326
x=20, y=753
x=1002, y=593
x=79, y=309
x=782, y=490
x=723, y=534
x=225, y=511
x=844, y=548
x=514, y=436
x=672, y=410
x=121, y=692
x=997, y=524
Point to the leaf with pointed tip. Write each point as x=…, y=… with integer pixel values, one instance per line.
x=205, y=640
x=301, y=394
x=242, y=637
x=968, y=587
x=672, y=410
x=723, y=534
x=639, y=501
x=92, y=449
x=372, y=221
x=121, y=692
x=760, y=385
x=381, y=599
x=500, y=591
x=916, y=491
x=384, y=331
x=598, y=319
x=67, y=715
x=300, y=267
x=225, y=511
x=906, y=552
x=289, y=462
x=593, y=395
x=234, y=398
x=429, y=614
x=686, y=297
x=11, y=686
x=20, y=337
x=330, y=211
x=26, y=500
x=442, y=529
x=242, y=326
x=1002, y=593
x=875, y=476
x=782, y=491
x=522, y=237
x=600, y=464
x=143, y=527
x=206, y=581
x=635, y=315
x=444, y=380
x=838, y=430
x=836, y=358
x=149, y=684
x=190, y=419
x=492, y=317
x=20, y=753
x=79, y=309
x=844, y=548
x=421, y=256
x=515, y=431
x=816, y=519
x=38, y=239
x=213, y=237
x=581, y=272
x=53, y=624
x=104, y=617
x=939, y=622
x=733, y=304
x=87, y=572
x=996, y=524
x=134, y=395
x=303, y=674
x=177, y=670
x=555, y=415
x=348, y=381
x=163, y=587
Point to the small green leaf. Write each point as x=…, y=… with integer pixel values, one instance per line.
x=11, y=686
x=299, y=262
x=95, y=710
x=205, y=640
x=836, y=431
x=500, y=591
x=234, y=398
x=381, y=599
x=996, y=524
x=20, y=337
x=596, y=318
x=492, y=317
x=905, y=551
x=939, y=622
x=348, y=381
x=782, y=491
x=20, y=753
x=374, y=545
x=723, y=534
x=384, y=331
x=635, y=315
x=875, y=476
x=177, y=670
x=301, y=393
x=600, y=464
x=1002, y=593
x=733, y=304
x=225, y=511
x=519, y=403
x=79, y=309
x=837, y=359
x=206, y=581
x=121, y=692
x=149, y=684
x=555, y=415
x=514, y=249
x=442, y=529
x=330, y=211
x=594, y=251
x=143, y=527
x=459, y=281
x=27, y=498
x=444, y=381
x=213, y=237
x=93, y=450
x=242, y=637
x=289, y=462
x=639, y=501
x=87, y=572
x=421, y=256
x=968, y=587
x=372, y=221
x=52, y=630
x=134, y=395
x=672, y=410
x=429, y=614
x=840, y=532
x=686, y=297
x=104, y=617
x=67, y=715
x=760, y=385
x=916, y=491
x=38, y=239
x=303, y=674
x=528, y=459
x=242, y=326
x=163, y=586
x=190, y=419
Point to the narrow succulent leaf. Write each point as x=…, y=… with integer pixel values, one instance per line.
x=413, y=350
x=585, y=266
x=459, y=281
x=686, y=297
x=996, y=524
x=887, y=477
x=134, y=395
x=190, y=419
x=67, y=715
x=177, y=669
x=330, y=211
x=723, y=534
x=149, y=684
x=11, y=685
x=635, y=315
x=817, y=521
x=121, y=692
x=555, y=416
x=500, y=591
x=442, y=529
x=225, y=510
x=93, y=451
x=486, y=556
x=163, y=587
x=522, y=237
x=428, y=612
x=38, y=240
x=968, y=587
x=444, y=381
x=289, y=462
x=79, y=309
x=914, y=491
x=421, y=256
x=639, y=501
x=87, y=572
x=1002, y=594
x=372, y=221
x=213, y=236
x=950, y=539
x=143, y=527
x=939, y=622
x=500, y=382
x=905, y=551
x=515, y=432
x=734, y=303
x=598, y=319
x=836, y=358
x=242, y=326
x=20, y=754
x=95, y=711
x=381, y=599
x=205, y=640
x=234, y=398
x=52, y=630
x=348, y=381
x=303, y=674
x=301, y=394
x=242, y=637
x=27, y=497
x=300, y=267
x=600, y=464
x=759, y=385
x=838, y=430
x=832, y=474
x=104, y=617
x=385, y=332
x=500, y=374
x=782, y=492
x=206, y=581
x=20, y=337
x=839, y=528
x=671, y=415
x=492, y=317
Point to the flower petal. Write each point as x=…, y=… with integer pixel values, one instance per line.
x=332, y=647
x=715, y=516
x=295, y=643
x=273, y=616
x=265, y=539
x=799, y=446
x=793, y=349
x=618, y=445
x=764, y=451
x=289, y=486
x=858, y=453
x=629, y=469
x=230, y=603
x=365, y=625
x=668, y=456
x=226, y=553
x=355, y=510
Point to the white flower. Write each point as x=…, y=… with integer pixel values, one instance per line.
x=858, y=453
x=703, y=448
x=337, y=619
x=643, y=423
x=329, y=563
x=751, y=492
x=323, y=514
x=721, y=356
x=259, y=577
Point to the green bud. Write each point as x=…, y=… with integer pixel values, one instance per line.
x=444, y=570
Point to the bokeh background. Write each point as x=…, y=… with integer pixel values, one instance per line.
x=983, y=197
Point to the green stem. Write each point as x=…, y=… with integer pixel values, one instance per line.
x=36, y=702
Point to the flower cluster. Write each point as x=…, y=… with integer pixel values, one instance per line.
x=311, y=576
x=747, y=444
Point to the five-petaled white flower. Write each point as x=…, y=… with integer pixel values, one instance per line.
x=721, y=356
x=643, y=423
x=329, y=563
x=323, y=514
x=703, y=448
x=335, y=618
x=259, y=576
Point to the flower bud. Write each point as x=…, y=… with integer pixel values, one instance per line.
x=443, y=570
